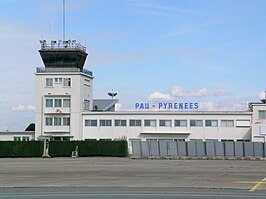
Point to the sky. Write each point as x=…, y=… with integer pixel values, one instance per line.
x=209, y=51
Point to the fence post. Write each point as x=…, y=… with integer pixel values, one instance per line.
x=46, y=148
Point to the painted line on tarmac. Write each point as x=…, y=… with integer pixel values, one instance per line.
x=254, y=188
x=257, y=184
x=131, y=195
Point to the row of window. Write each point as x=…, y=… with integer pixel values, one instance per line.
x=51, y=81
x=57, y=103
x=162, y=123
x=23, y=138
x=57, y=121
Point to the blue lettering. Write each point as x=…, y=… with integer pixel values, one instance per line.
x=170, y=105
x=142, y=105
x=147, y=105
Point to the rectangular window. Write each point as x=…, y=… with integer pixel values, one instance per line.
x=151, y=123
x=211, y=123
x=263, y=130
x=67, y=82
x=49, y=102
x=227, y=123
x=49, y=121
x=105, y=122
x=90, y=122
x=166, y=123
x=181, y=123
x=66, y=103
x=58, y=80
x=57, y=121
x=120, y=122
x=262, y=115
x=17, y=138
x=25, y=138
x=66, y=121
x=196, y=123
x=134, y=122
x=86, y=105
x=58, y=103
x=49, y=82
x=243, y=123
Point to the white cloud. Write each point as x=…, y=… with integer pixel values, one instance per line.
x=220, y=92
x=177, y=91
x=262, y=95
x=218, y=106
x=22, y=108
x=157, y=96
x=209, y=106
x=199, y=93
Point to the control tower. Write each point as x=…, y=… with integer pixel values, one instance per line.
x=65, y=54
x=64, y=90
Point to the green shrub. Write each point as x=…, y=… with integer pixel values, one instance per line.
x=21, y=148
x=89, y=148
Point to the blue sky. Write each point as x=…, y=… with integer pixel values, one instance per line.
x=209, y=51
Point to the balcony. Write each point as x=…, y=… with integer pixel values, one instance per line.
x=64, y=70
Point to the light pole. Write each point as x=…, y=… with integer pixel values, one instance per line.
x=112, y=94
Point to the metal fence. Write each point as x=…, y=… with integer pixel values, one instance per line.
x=198, y=149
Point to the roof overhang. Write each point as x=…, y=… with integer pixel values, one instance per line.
x=165, y=132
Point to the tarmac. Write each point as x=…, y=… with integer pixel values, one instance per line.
x=125, y=178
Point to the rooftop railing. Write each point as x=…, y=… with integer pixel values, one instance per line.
x=56, y=70
x=69, y=45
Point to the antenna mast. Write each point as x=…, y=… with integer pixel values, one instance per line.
x=64, y=20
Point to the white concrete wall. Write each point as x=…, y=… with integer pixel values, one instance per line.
x=9, y=136
x=258, y=124
x=187, y=133
x=80, y=89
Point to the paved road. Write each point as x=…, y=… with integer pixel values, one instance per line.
x=122, y=192
x=131, y=178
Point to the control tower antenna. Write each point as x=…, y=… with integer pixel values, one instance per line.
x=64, y=20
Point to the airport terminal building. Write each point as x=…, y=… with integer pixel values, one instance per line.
x=66, y=110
